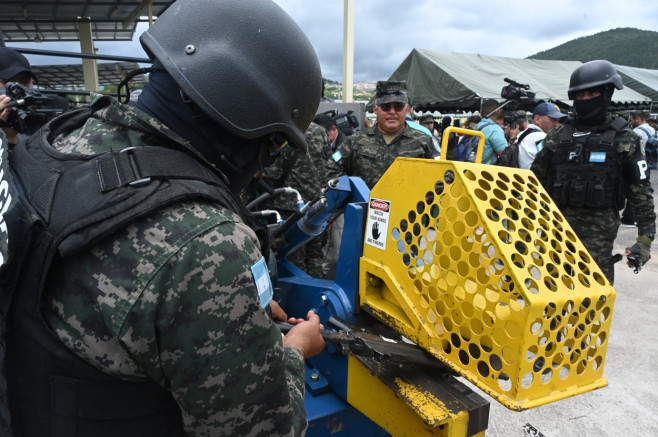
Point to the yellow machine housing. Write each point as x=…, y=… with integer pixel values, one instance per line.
x=477, y=265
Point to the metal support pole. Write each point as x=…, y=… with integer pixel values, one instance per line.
x=348, y=51
x=89, y=67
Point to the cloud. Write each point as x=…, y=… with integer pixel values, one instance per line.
x=386, y=31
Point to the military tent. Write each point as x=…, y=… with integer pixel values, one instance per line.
x=641, y=80
x=448, y=81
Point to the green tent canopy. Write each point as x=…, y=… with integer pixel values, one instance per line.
x=642, y=80
x=449, y=82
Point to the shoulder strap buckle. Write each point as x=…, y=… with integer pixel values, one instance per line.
x=133, y=165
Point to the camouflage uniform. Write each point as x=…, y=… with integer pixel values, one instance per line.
x=304, y=172
x=171, y=298
x=366, y=155
x=597, y=228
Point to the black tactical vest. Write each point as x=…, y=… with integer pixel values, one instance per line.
x=62, y=204
x=585, y=172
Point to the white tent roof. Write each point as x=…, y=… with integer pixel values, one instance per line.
x=641, y=80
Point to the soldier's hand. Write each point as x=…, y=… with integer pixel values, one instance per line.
x=277, y=311
x=641, y=249
x=305, y=335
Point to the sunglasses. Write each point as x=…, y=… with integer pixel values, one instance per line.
x=398, y=106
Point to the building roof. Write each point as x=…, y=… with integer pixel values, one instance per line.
x=57, y=20
x=70, y=76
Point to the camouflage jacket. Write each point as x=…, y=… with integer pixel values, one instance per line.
x=305, y=172
x=366, y=155
x=639, y=194
x=172, y=298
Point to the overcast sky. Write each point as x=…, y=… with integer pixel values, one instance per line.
x=387, y=30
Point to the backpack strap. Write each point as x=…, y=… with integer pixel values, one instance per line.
x=649, y=136
x=608, y=137
x=525, y=133
x=116, y=187
x=567, y=133
x=485, y=124
x=617, y=124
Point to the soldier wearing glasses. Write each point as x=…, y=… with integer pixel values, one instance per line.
x=368, y=153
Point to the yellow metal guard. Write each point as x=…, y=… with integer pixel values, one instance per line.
x=476, y=264
x=463, y=131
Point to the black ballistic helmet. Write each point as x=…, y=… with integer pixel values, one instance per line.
x=246, y=64
x=594, y=74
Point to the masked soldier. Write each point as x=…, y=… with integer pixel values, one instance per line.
x=592, y=163
x=142, y=306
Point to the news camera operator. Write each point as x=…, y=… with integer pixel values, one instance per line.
x=14, y=67
x=494, y=136
x=23, y=109
x=328, y=122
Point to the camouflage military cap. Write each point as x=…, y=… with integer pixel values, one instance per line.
x=389, y=91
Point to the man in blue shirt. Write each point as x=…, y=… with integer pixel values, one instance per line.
x=494, y=137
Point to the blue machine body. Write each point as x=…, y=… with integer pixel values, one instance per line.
x=327, y=410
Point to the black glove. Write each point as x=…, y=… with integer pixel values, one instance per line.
x=640, y=253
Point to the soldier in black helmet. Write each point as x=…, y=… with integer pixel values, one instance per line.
x=144, y=307
x=592, y=163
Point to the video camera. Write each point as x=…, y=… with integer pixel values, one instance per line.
x=511, y=120
x=29, y=112
x=517, y=91
x=518, y=96
x=346, y=122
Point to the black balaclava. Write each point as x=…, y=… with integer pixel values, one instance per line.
x=237, y=158
x=593, y=112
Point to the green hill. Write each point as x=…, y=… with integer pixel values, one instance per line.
x=627, y=46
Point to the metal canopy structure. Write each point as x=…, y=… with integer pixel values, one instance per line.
x=86, y=21
x=67, y=75
x=59, y=20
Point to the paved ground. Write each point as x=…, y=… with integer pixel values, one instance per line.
x=628, y=406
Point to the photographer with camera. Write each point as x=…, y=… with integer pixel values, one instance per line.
x=14, y=67
x=494, y=136
x=328, y=122
x=511, y=127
